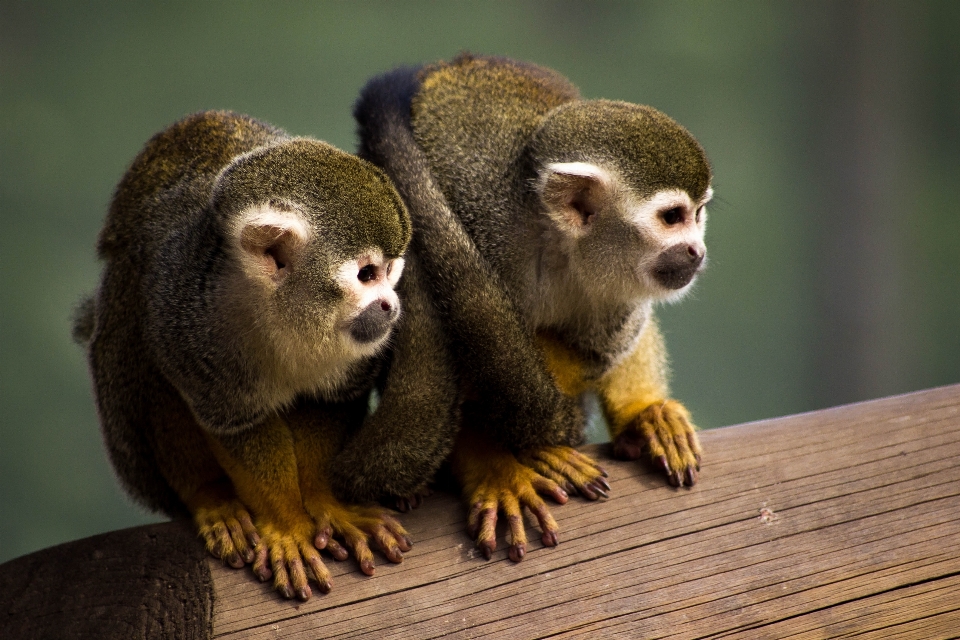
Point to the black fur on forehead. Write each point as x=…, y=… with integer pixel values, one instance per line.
x=648, y=148
x=349, y=201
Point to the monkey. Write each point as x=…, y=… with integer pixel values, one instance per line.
x=549, y=227
x=246, y=306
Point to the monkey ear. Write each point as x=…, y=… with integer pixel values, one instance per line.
x=574, y=192
x=270, y=240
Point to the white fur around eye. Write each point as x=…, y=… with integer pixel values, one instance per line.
x=360, y=295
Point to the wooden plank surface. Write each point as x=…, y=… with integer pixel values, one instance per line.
x=837, y=523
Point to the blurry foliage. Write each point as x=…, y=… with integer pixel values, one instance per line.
x=782, y=95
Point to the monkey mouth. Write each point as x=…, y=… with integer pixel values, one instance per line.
x=676, y=267
x=373, y=323
x=674, y=278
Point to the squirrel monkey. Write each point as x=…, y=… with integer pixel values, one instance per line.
x=549, y=226
x=246, y=301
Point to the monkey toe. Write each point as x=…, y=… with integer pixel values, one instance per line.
x=570, y=469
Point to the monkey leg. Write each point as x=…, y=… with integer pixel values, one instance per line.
x=317, y=432
x=190, y=468
x=263, y=467
x=644, y=422
x=566, y=466
x=493, y=480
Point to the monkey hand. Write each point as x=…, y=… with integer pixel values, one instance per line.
x=570, y=469
x=227, y=531
x=356, y=526
x=286, y=552
x=663, y=430
x=493, y=481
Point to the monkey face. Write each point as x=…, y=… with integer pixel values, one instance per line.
x=627, y=245
x=370, y=304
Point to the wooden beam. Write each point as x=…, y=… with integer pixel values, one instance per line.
x=814, y=525
x=827, y=524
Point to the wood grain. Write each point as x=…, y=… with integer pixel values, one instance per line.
x=837, y=523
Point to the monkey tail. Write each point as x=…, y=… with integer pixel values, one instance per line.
x=84, y=318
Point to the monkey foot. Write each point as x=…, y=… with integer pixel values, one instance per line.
x=228, y=532
x=292, y=558
x=498, y=482
x=356, y=526
x=570, y=469
x=663, y=430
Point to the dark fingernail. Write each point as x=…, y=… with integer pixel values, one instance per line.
x=407, y=541
x=304, y=593
x=320, y=542
x=286, y=591
x=603, y=483
x=248, y=556
x=570, y=489
x=487, y=547
x=263, y=574
x=325, y=586
x=691, y=477
x=517, y=552
x=341, y=554
x=367, y=567
x=675, y=479
x=600, y=491
x=603, y=471
x=662, y=461
x=549, y=538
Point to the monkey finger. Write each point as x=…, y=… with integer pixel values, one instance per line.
x=387, y=544
x=319, y=571
x=249, y=530
x=281, y=580
x=518, y=534
x=298, y=576
x=586, y=461
x=336, y=550
x=548, y=526
x=547, y=472
x=260, y=567
x=487, y=532
x=398, y=532
x=550, y=488
x=239, y=540
x=356, y=540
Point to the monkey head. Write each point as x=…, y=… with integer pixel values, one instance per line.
x=318, y=237
x=626, y=187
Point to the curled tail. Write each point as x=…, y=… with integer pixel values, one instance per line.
x=488, y=333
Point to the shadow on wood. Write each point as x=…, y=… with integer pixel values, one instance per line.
x=817, y=525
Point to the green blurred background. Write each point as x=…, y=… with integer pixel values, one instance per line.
x=833, y=128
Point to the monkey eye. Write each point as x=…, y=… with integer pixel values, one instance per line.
x=367, y=273
x=672, y=216
x=699, y=214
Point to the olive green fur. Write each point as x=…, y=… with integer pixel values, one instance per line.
x=464, y=142
x=168, y=344
x=521, y=410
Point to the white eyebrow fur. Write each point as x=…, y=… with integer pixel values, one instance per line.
x=584, y=169
x=264, y=215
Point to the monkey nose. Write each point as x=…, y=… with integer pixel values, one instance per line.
x=695, y=253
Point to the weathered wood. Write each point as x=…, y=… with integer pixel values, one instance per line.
x=828, y=524
x=146, y=582
x=837, y=523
